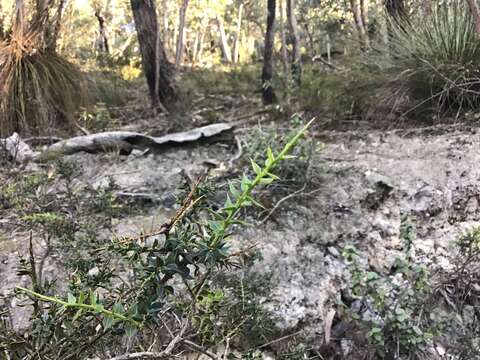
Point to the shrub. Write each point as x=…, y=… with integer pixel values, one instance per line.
x=433, y=59
x=407, y=313
x=302, y=169
x=156, y=290
x=39, y=89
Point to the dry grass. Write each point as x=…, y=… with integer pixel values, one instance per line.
x=39, y=90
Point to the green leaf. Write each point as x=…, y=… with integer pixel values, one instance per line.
x=417, y=330
x=256, y=203
x=71, y=299
x=93, y=298
x=130, y=330
x=246, y=183
x=257, y=169
x=117, y=308
x=266, y=181
x=273, y=176
x=98, y=308
x=399, y=311
x=233, y=189
x=81, y=298
x=270, y=156
x=215, y=226
x=108, y=322
x=372, y=275
x=228, y=203
x=77, y=315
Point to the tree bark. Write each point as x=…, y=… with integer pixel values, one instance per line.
x=311, y=42
x=364, y=14
x=293, y=27
x=195, y=47
x=475, y=11
x=181, y=34
x=57, y=25
x=224, y=41
x=165, y=27
x=267, y=72
x=102, y=33
x=201, y=45
x=156, y=67
x=283, y=38
x=359, y=25
x=236, y=42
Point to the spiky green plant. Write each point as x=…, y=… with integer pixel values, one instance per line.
x=39, y=90
x=435, y=58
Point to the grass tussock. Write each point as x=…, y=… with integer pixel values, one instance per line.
x=39, y=90
x=435, y=59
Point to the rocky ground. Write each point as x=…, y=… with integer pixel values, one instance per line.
x=369, y=181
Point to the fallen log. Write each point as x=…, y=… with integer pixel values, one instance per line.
x=122, y=140
x=18, y=150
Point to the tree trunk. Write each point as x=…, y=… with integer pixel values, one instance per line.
x=311, y=42
x=293, y=27
x=41, y=13
x=155, y=64
x=102, y=42
x=181, y=33
x=165, y=26
x=224, y=41
x=283, y=38
x=236, y=43
x=57, y=25
x=359, y=25
x=364, y=14
x=201, y=45
x=396, y=8
x=267, y=72
x=475, y=11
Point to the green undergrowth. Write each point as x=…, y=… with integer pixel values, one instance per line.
x=117, y=294
x=417, y=307
x=229, y=80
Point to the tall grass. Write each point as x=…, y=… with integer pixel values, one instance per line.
x=39, y=90
x=436, y=59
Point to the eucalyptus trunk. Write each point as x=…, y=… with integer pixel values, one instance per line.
x=364, y=14
x=181, y=33
x=356, y=9
x=201, y=44
x=57, y=25
x=283, y=37
x=102, y=44
x=293, y=27
x=267, y=71
x=224, y=41
x=157, y=69
x=166, y=39
x=236, y=42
